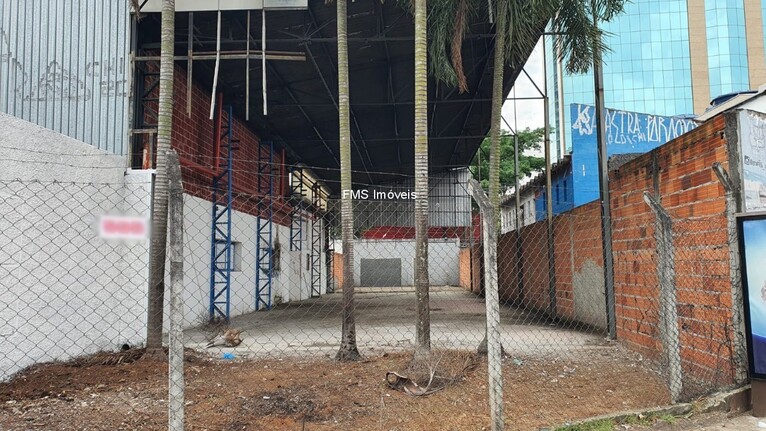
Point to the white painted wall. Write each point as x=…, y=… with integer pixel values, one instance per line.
x=443, y=258
x=508, y=213
x=757, y=104
x=291, y=283
x=64, y=291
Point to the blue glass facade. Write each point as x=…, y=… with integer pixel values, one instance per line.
x=648, y=68
x=727, y=46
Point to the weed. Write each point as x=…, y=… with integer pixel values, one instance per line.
x=599, y=425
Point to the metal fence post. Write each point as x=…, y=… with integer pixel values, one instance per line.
x=739, y=350
x=175, y=333
x=492, y=296
x=666, y=274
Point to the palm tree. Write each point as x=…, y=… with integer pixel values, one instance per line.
x=160, y=196
x=423, y=326
x=348, y=350
x=578, y=39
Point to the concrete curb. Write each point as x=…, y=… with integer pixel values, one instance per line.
x=736, y=400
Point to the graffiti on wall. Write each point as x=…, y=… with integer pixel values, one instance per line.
x=629, y=128
x=55, y=82
x=81, y=91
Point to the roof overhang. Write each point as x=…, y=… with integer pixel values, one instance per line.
x=301, y=95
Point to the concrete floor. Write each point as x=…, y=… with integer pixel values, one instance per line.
x=716, y=421
x=385, y=319
x=738, y=423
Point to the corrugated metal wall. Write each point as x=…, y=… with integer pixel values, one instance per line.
x=449, y=203
x=64, y=65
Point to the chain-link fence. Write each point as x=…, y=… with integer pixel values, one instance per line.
x=262, y=302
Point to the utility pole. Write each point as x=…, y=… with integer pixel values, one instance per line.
x=548, y=192
x=603, y=178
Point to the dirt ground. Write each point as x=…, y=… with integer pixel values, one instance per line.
x=122, y=393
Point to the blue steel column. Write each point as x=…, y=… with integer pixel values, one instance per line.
x=316, y=242
x=264, y=234
x=296, y=218
x=220, y=238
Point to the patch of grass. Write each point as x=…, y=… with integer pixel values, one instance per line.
x=670, y=419
x=639, y=420
x=599, y=425
x=648, y=420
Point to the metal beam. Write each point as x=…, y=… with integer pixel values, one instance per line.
x=403, y=103
x=431, y=138
x=287, y=89
x=543, y=95
x=233, y=55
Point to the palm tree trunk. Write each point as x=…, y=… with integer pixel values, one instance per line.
x=423, y=326
x=348, y=349
x=160, y=196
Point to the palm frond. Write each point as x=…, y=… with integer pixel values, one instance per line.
x=579, y=37
x=447, y=25
x=456, y=48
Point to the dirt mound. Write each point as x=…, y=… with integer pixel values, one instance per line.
x=297, y=403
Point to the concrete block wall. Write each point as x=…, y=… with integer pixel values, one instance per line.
x=291, y=283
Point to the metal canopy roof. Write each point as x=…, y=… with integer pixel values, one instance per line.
x=302, y=114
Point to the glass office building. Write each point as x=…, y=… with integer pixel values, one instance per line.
x=667, y=57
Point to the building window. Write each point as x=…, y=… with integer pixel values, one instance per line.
x=236, y=256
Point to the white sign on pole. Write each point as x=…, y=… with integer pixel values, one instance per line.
x=752, y=138
x=207, y=5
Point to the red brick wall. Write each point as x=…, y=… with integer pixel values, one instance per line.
x=464, y=268
x=689, y=190
x=337, y=270
x=577, y=244
x=577, y=240
x=691, y=193
x=477, y=285
x=507, y=271
x=193, y=138
x=534, y=240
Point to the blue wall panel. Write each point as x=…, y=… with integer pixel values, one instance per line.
x=626, y=132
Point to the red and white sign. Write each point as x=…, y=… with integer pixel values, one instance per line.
x=123, y=227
